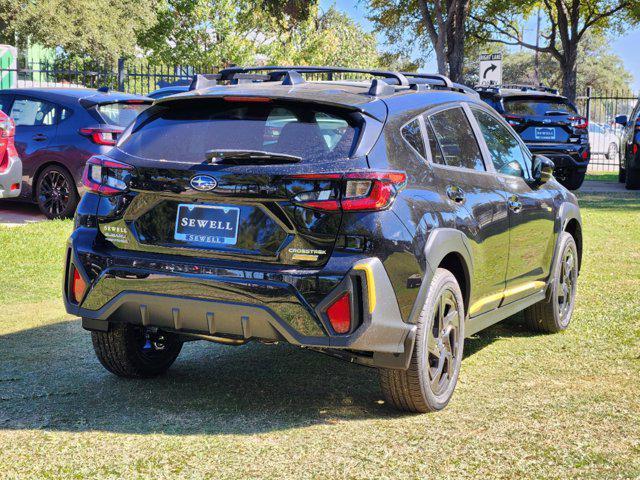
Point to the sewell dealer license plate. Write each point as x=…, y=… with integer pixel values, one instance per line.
x=545, y=133
x=207, y=225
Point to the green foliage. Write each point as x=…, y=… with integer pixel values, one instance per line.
x=598, y=68
x=100, y=29
x=331, y=38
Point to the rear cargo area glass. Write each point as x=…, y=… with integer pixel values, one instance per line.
x=120, y=114
x=186, y=134
x=537, y=107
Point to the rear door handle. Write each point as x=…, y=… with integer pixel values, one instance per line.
x=455, y=193
x=39, y=137
x=515, y=205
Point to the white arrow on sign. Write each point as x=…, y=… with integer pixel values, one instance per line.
x=490, y=71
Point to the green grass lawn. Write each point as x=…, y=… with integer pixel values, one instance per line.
x=602, y=176
x=537, y=406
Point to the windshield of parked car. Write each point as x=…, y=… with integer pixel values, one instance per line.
x=538, y=106
x=186, y=133
x=120, y=114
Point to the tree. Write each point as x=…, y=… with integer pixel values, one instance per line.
x=599, y=68
x=329, y=38
x=568, y=23
x=438, y=24
x=101, y=29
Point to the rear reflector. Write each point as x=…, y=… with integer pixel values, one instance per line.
x=14, y=187
x=339, y=314
x=78, y=286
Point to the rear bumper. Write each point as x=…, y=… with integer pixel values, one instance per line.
x=564, y=155
x=238, y=304
x=11, y=176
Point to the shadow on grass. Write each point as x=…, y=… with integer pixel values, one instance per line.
x=50, y=379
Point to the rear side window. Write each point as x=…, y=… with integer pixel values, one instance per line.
x=538, y=106
x=188, y=132
x=120, y=114
x=34, y=113
x=412, y=133
x=456, y=139
x=434, y=146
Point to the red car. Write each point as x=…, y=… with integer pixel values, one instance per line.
x=10, y=164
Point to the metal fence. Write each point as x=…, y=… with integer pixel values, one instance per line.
x=132, y=76
x=601, y=109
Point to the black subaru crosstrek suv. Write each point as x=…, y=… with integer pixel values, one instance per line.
x=629, y=172
x=380, y=220
x=549, y=124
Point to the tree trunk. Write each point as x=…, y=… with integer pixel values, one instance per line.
x=568, y=66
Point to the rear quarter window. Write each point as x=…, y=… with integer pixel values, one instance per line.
x=186, y=133
x=456, y=139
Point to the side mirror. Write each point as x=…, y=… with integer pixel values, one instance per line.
x=542, y=169
x=622, y=120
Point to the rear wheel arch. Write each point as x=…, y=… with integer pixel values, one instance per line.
x=574, y=229
x=41, y=168
x=445, y=248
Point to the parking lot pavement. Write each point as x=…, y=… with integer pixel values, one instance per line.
x=597, y=186
x=14, y=214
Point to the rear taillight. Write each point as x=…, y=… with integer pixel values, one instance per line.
x=358, y=191
x=579, y=122
x=339, y=313
x=513, y=120
x=7, y=127
x=106, y=176
x=102, y=135
x=4, y=162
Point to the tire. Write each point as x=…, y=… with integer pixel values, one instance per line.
x=622, y=175
x=612, y=151
x=553, y=315
x=424, y=386
x=572, y=180
x=126, y=351
x=56, y=193
x=632, y=179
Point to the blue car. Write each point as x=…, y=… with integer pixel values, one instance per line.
x=57, y=131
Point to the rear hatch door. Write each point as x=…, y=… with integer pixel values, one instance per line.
x=234, y=179
x=544, y=120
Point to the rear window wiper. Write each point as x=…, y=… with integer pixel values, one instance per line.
x=249, y=157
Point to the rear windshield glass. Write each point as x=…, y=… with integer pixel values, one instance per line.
x=538, y=106
x=188, y=132
x=120, y=114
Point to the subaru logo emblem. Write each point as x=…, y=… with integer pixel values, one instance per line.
x=204, y=183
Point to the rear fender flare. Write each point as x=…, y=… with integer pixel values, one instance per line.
x=440, y=243
x=568, y=211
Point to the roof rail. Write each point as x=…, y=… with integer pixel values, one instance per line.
x=203, y=81
x=396, y=77
x=445, y=82
x=517, y=86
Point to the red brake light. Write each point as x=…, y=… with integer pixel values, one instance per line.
x=135, y=102
x=513, y=120
x=339, y=314
x=358, y=191
x=78, y=286
x=579, y=122
x=7, y=127
x=247, y=99
x=106, y=176
x=102, y=135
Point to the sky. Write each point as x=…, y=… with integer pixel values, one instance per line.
x=626, y=46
